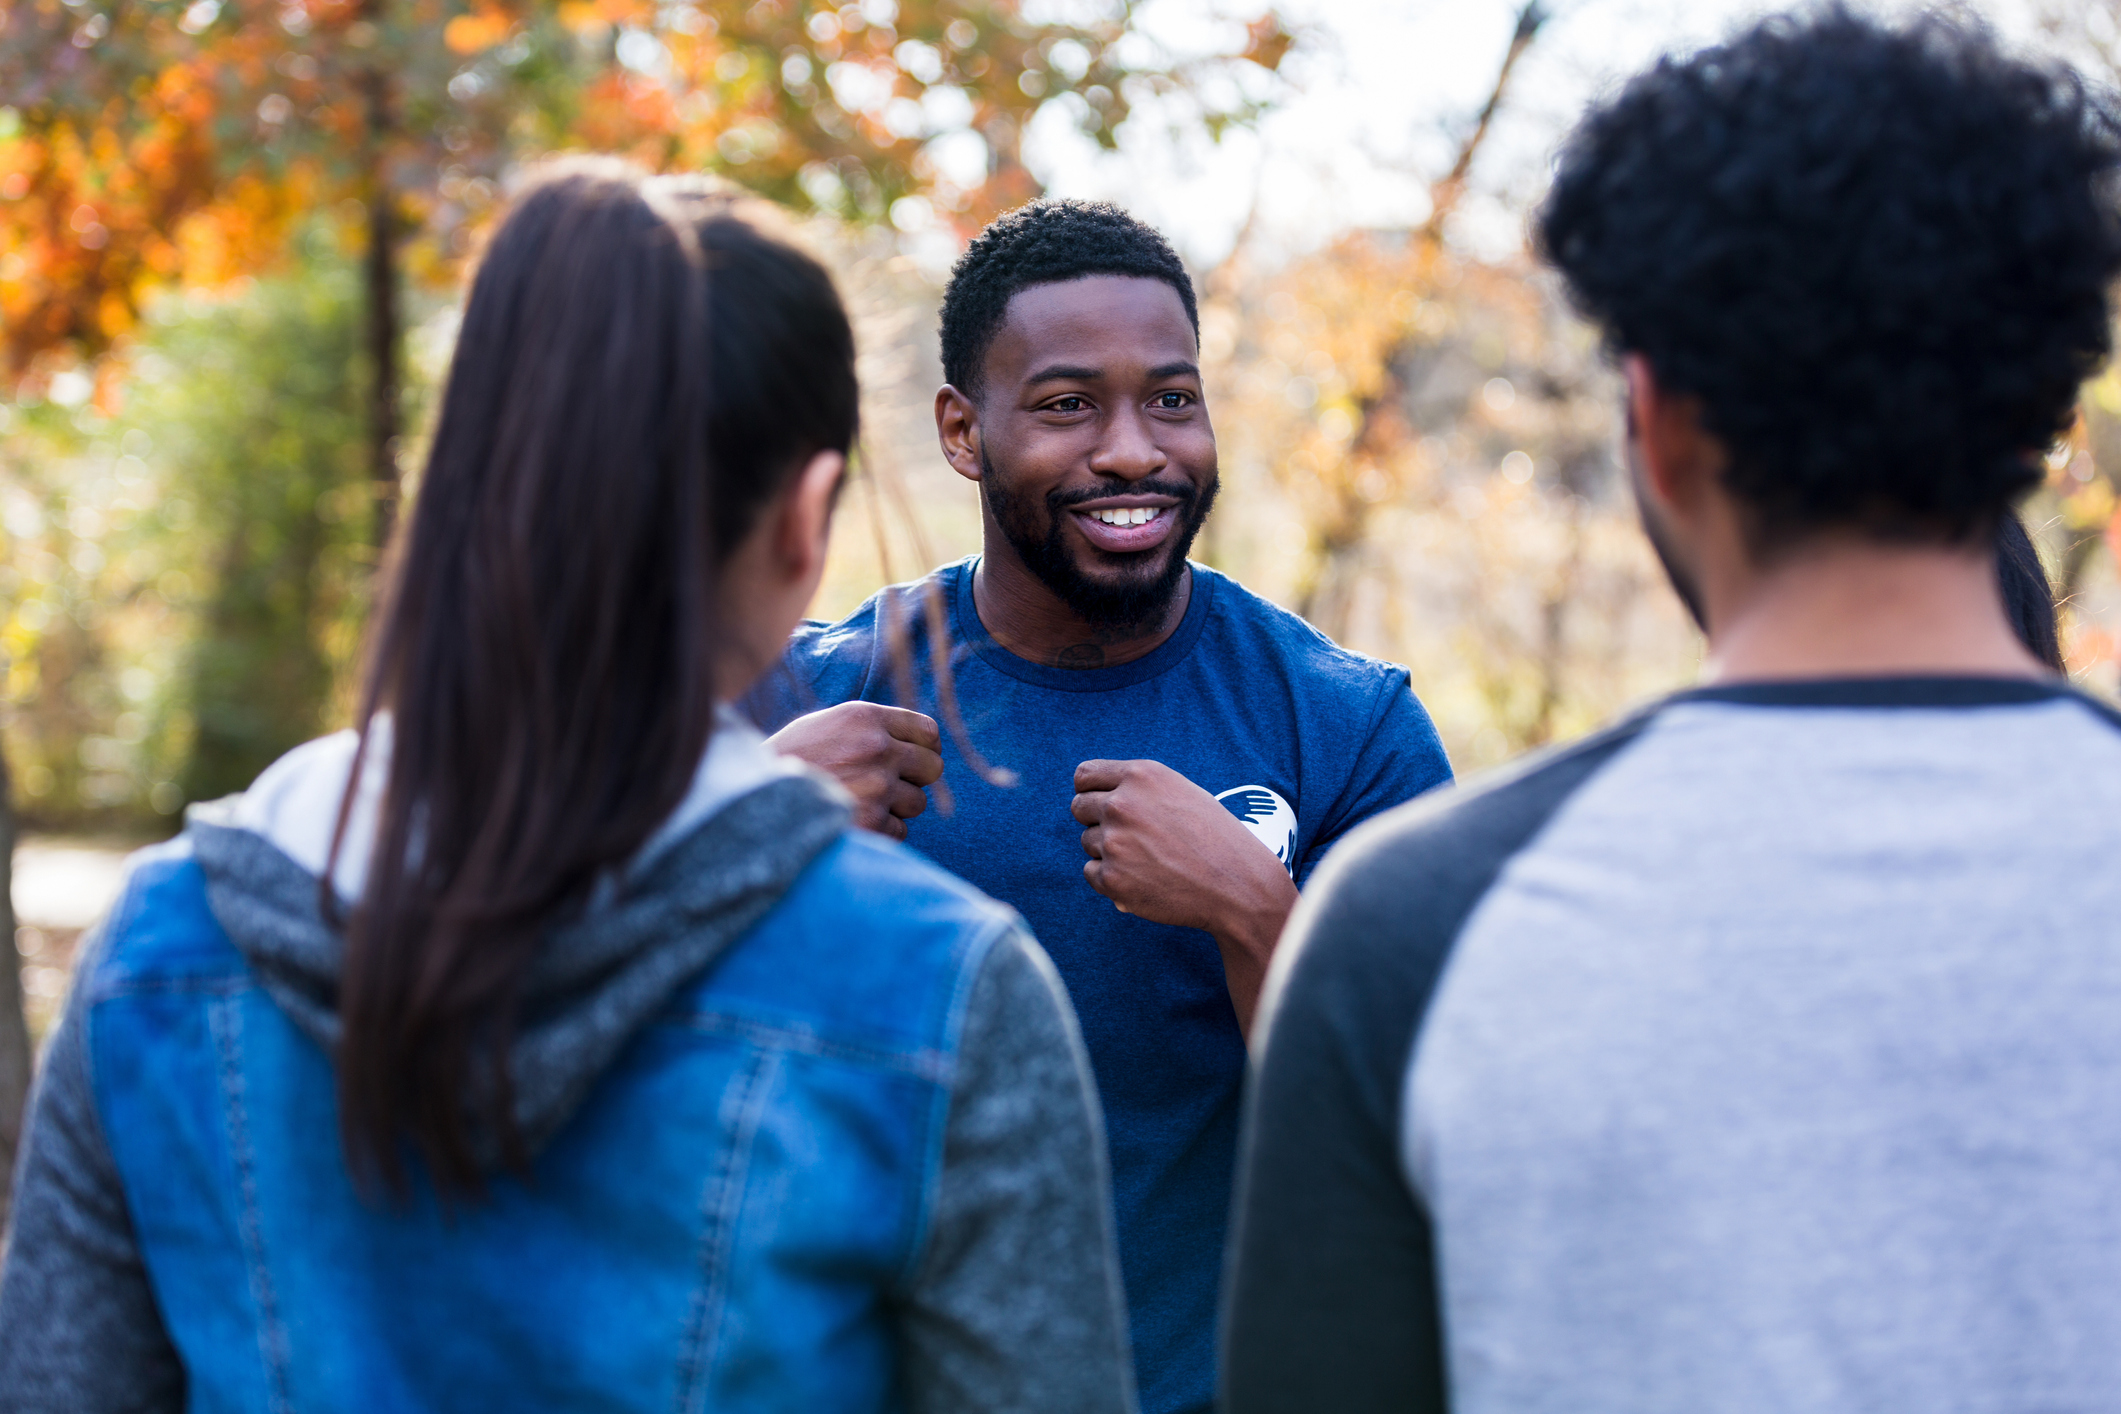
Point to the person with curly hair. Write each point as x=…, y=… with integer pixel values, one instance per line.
x=1757, y=1053
x=1172, y=754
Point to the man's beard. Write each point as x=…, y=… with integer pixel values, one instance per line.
x=1132, y=602
x=1682, y=582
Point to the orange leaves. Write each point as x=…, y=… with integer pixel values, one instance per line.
x=580, y=15
x=1267, y=41
x=195, y=145
x=480, y=30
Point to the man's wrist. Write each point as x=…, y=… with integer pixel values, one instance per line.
x=1252, y=918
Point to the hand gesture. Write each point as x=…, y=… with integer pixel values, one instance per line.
x=1163, y=849
x=886, y=757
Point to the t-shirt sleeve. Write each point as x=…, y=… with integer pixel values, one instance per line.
x=1016, y=1305
x=1401, y=757
x=1333, y=1299
x=825, y=664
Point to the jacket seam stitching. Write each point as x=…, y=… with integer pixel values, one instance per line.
x=721, y=1205
x=970, y=965
x=227, y=985
x=272, y=1339
x=924, y=1064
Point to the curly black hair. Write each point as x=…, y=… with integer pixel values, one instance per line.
x=1878, y=254
x=1045, y=243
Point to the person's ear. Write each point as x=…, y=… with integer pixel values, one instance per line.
x=805, y=531
x=957, y=428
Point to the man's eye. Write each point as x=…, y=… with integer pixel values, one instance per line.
x=1068, y=404
x=1173, y=400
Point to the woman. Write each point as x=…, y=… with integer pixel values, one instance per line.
x=611, y=1069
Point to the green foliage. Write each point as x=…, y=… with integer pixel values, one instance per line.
x=184, y=580
x=263, y=434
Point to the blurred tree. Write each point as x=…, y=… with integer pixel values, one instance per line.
x=152, y=143
x=2074, y=516
x=1436, y=432
x=14, y=1027
x=258, y=435
x=1361, y=333
x=181, y=584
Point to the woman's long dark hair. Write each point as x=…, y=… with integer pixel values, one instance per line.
x=641, y=367
x=2028, y=598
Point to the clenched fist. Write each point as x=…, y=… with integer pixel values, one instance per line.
x=1163, y=849
x=886, y=757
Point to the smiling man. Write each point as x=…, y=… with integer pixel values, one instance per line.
x=1171, y=754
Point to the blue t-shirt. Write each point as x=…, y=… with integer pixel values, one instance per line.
x=1300, y=738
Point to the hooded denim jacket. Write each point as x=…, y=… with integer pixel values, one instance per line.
x=813, y=1128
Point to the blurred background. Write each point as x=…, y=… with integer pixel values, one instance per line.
x=233, y=233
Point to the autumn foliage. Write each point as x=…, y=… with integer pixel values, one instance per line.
x=148, y=145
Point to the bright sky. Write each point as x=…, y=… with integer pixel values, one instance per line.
x=1383, y=89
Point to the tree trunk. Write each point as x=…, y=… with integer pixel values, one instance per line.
x=14, y=1026
x=1443, y=197
x=380, y=272
x=382, y=293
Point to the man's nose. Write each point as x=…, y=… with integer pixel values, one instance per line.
x=1129, y=449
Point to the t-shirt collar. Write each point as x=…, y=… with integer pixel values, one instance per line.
x=965, y=623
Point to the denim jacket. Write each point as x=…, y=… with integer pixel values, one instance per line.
x=814, y=1126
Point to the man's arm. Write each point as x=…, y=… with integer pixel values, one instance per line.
x=1164, y=849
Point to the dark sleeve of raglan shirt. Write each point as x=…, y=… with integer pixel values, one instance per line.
x=80, y=1332
x=1401, y=757
x=1332, y=1300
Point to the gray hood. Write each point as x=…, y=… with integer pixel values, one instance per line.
x=599, y=979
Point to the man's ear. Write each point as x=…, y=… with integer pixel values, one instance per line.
x=957, y=428
x=805, y=530
x=1680, y=459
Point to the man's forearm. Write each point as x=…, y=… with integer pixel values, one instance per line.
x=1246, y=934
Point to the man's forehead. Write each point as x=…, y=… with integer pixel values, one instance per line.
x=1127, y=318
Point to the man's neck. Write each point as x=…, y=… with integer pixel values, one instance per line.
x=1031, y=621
x=1848, y=608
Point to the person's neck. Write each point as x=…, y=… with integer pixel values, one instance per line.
x=1852, y=608
x=1027, y=618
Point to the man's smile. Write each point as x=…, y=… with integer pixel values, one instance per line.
x=1126, y=524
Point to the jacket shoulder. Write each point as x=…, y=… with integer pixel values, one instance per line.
x=161, y=932
x=872, y=942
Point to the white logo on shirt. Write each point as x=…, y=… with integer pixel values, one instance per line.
x=1268, y=817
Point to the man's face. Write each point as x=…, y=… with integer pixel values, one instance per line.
x=1097, y=458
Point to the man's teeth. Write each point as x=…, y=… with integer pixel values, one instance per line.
x=1129, y=515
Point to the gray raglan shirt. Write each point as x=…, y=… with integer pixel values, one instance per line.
x=1761, y=1054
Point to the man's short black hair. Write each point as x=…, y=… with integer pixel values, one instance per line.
x=1879, y=255
x=1045, y=243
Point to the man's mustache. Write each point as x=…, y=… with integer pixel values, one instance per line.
x=1184, y=492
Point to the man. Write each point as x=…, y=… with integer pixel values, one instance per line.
x=1179, y=752
x=1761, y=1053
